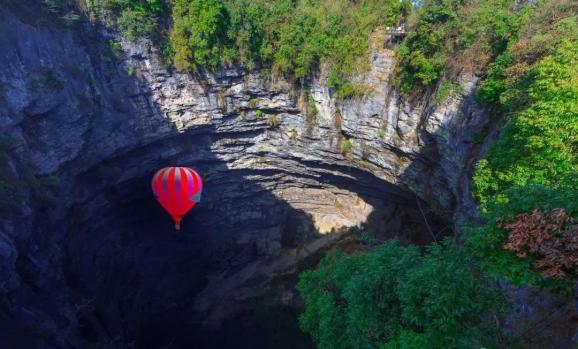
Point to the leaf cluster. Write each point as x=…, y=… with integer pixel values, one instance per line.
x=395, y=297
x=551, y=237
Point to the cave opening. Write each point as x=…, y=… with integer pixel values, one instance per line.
x=216, y=282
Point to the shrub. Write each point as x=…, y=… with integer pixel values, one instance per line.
x=272, y=121
x=445, y=90
x=199, y=33
x=136, y=23
x=311, y=108
x=540, y=144
x=534, y=164
x=345, y=146
x=293, y=37
x=453, y=36
x=551, y=237
x=394, y=297
x=485, y=242
x=136, y=18
x=422, y=53
x=115, y=47
x=350, y=90
x=259, y=114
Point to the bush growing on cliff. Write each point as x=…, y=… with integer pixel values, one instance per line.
x=136, y=18
x=345, y=146
x=395, y=297
x=450, y=36
x=137, y=23
x=292, y=37
x=533, y=87
x=486, y=242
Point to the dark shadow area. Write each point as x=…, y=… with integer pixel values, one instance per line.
x=151, y=273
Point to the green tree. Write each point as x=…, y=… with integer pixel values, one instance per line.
x=198, y=36
x=533, y=88
x=395, y=297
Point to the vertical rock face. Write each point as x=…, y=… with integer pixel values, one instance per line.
x=93, y=260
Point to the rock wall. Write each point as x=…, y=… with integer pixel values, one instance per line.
x=93, y=260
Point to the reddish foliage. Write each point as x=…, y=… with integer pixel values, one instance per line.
x=551, y=238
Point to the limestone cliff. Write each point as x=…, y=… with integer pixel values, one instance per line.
x=93, y=260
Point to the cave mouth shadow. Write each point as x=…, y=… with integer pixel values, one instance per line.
x=141, y=277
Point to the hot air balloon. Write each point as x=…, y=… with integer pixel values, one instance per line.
x=178, y=190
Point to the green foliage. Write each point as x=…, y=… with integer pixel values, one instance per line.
x=115, y=47
x=199, y=33
x=259, y=114
x=539, y=145
x=136, y=23
x=422, y=52
x=533, y=87
x=494, y=84
x=445, y=90
x=272, y=121
x=447, y=30
x=393, y=297
x=350, y=90
x=294, y=37
x=312, y=111
x=485, y=242
x=253, y=102
x=345, y=146
x=136, y=18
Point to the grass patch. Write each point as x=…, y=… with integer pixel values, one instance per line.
x=349, y=90
x=345, y=146
x=259, y=114
x=272, y=121
x=446, y=89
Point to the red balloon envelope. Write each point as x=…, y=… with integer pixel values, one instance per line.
x=178, y=190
